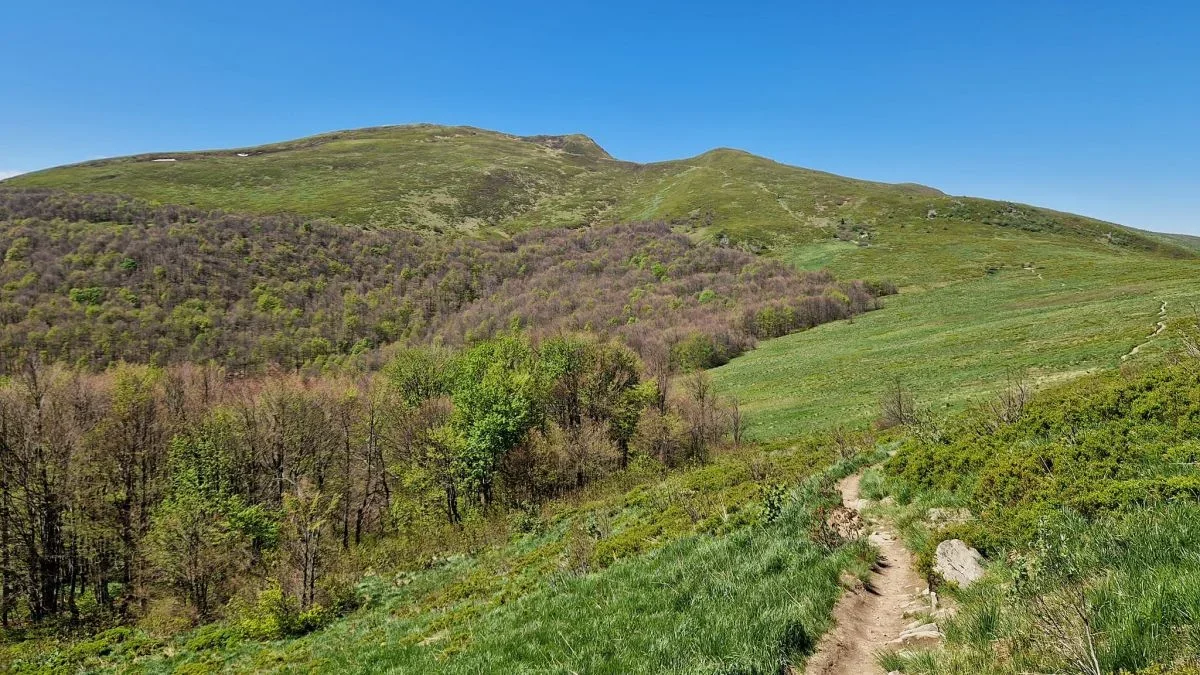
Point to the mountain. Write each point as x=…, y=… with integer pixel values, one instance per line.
x=325, y=257
x=986, y=285
x=462, y=179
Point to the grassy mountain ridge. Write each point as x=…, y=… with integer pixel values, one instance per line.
x=657, y=568
x=468, y=180
x=986, y=284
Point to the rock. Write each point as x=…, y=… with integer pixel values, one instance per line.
x=862, y=504
x=947, y=516
x=922, y=633
x=915, y=611
x=922, y=637
x=845, y=522
x=945, y=613
x=887, y=501
x=957, y=562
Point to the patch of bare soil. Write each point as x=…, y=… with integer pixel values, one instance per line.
x=870, y=618
x=1159, y=327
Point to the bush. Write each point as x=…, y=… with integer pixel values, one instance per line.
x=700, y=351
x=1089, y=519
x=93, y=295
x=275, y=615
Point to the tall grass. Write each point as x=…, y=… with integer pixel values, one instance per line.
x=1141, y=581
x=1091, y=524
x=751, y=601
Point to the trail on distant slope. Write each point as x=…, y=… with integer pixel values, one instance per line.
x=869, y=619
x=1158, y=329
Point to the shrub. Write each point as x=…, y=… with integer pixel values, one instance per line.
x=88, y=296
x=699, y=351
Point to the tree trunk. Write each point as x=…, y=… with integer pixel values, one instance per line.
x=452, y=503
x=5, y=564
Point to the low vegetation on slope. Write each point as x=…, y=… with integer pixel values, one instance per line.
x=505, y=505
x=1085, y=502
x=94, y=280
x=1055, y=308
x=439, y=179
x=538, y=499
x=426, y=177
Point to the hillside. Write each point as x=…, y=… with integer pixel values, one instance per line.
x=94, y=280
x=519, y=405
x=981, y=280
x=1085, y=504
x=467, y=180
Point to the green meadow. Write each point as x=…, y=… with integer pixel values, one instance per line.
x=717, y=567
x=1074, y=312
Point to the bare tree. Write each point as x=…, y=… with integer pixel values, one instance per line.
x=1010, y=402
x=845, y=443
x=737, y=428
x=898, y=406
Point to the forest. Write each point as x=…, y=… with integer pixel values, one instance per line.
x=147, y=489
x=206, y=415
x=94, y=280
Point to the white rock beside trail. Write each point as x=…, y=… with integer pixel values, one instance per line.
x=948, y=516
x=919, y=633
x=957, y=562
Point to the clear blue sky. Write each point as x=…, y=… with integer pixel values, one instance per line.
x=1092, y=107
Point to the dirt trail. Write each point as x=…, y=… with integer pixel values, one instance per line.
x=1158, y=329
x=869, y=619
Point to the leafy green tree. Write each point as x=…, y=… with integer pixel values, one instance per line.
x=593, y=380
x=498, y=397
x=307, y=515
x=194, y=544
x=419, y=374
x=201, y=535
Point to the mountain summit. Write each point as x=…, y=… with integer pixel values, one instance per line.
x=464, y=180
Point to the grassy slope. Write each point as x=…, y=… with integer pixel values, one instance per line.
x=424, y=177
x=969, y=308
x=429, y=176
x=1093, y=489
x=1079, y=309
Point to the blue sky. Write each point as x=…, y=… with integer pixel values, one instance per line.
x=1087, y=107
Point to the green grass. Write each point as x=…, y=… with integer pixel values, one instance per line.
x=1079, y=310
x=647, y=573
x=1086, y=507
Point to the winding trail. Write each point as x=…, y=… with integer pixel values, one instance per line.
x=870, y=618
x=1158, y=329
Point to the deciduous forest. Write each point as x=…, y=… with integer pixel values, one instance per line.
x=202, y=412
